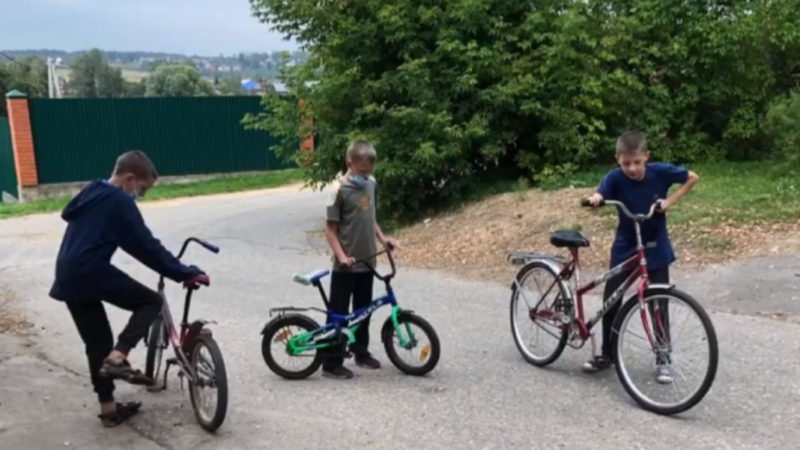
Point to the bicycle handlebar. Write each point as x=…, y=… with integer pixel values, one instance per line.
x=208, y=246
x=388, y=252
x=655, y=207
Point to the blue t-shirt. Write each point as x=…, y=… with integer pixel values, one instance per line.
x=638, y=196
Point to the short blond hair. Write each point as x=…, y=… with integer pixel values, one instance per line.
x=361, y=151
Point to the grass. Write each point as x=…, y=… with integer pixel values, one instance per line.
x=728, y=192
x=173, y=190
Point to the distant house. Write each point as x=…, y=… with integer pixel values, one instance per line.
x=250, y=85
x=280, y=87
x=224, y=68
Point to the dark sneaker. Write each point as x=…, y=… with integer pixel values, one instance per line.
x=597, y=364
x=338, y=373
x=366, y=361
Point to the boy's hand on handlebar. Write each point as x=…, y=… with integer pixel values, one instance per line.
x=392, y=244
x=595, y=200
x=197, y=280
x=346, y=260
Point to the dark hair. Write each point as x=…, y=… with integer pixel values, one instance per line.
x=137, y=163
x=631, y=142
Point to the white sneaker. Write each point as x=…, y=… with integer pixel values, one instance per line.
x=664, y=374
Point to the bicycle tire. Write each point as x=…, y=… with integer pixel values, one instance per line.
x=155, y=348
x=713, y=350
x=210, y=424
x=530, y=357
x=432, y=354
x=304, y=322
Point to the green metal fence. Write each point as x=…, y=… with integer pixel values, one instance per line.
x=8, y=175
x=79, y=139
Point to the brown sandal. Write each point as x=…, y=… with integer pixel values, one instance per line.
x=122, y=370
x=124, y=412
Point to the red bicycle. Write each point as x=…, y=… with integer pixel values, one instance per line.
x=658, y=328
x=196, y=354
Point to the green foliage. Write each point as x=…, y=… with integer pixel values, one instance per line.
x=230, y=86
x=783, y=127
x=132, y=89
x=177, y=81
x=453, y=92
x=92, y=77
x=28, y=75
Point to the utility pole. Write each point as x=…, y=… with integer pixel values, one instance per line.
x=50, y=83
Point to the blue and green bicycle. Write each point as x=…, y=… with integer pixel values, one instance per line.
x=294, y=345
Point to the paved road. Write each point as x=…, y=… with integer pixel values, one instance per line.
x=482, y=394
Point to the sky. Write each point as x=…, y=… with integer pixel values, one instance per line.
x=201, y=27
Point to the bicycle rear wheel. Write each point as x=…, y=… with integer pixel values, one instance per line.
x=209, y=391
x=156, y=343
x=666, y=350
x=274, y=347
x=539, y=305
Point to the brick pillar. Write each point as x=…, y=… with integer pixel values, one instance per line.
x=308, y=143
x=19, y=120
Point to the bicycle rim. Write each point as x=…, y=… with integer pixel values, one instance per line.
x=536, y=316
x=205, y=390
x=671, y=366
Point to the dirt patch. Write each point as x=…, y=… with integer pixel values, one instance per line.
x=474, y=241
x=12, y=320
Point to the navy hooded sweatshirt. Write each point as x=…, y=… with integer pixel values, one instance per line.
x=102, y=218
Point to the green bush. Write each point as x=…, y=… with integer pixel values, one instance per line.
x=782, y=125
x=454, y=92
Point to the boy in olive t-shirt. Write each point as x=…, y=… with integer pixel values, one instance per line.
x=352, y=230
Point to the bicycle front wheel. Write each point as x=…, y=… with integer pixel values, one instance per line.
x=209, y=391
x=420, y=353
x=539, y=305
x=666, y=351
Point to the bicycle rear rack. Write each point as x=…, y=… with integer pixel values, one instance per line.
x=285, y=309
x=521, y=258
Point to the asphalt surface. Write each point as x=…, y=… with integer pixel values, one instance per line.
x=481, y=395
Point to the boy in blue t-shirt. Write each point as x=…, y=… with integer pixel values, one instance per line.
x=638, y=184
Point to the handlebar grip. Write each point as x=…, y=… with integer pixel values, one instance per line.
x=209, y=246
x=587, y=204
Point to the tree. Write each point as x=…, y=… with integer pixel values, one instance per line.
x=133, y=89
x=28, y=75
x=93, y=77
x=230, y=86
x=455, y=92
x=177, y=81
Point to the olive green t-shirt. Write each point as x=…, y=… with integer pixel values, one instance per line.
x=353, y=209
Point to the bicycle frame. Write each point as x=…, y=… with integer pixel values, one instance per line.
x=636, y=265
x=181, y=341
x=314, y=339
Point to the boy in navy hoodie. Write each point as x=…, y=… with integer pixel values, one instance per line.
x=102, y=218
